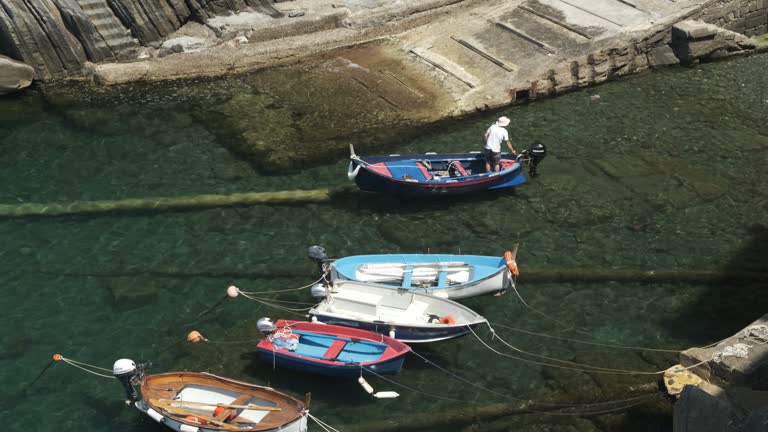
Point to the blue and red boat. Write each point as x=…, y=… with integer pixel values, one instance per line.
x=439, y=174
x=327, y=349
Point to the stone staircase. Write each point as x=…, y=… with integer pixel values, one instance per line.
x=116, y=36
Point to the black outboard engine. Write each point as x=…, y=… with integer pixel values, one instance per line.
x=130, y=375
x=265, y=326
x=533, y=155
x=317, y=254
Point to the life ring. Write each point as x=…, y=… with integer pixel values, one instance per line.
x=511, y=263
x=448, y=320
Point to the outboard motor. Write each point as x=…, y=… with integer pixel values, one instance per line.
x=319, y=290
x=537, y=152
x=130, y=376
x=533, y=155
x=317, y=254
x=266, y=326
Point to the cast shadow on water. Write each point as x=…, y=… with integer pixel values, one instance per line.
x=366, y=202
x=732, y=304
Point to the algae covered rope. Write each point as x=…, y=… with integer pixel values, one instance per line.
x=166, y=203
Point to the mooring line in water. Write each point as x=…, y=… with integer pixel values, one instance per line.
x=326, y=427
x=555, y=320
x=588, y=342
x=166, y=203
x=83, y=366
x=581, y=367
x=543, y=408
x=239, y=291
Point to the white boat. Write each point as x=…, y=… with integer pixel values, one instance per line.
x=442, y=275
x=407, y=316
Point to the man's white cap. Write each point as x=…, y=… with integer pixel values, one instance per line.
x=502, y=121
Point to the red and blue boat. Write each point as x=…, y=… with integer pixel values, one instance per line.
x=327, y=349
x=438, y=174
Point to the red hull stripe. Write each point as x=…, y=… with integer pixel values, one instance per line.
x=380, y=168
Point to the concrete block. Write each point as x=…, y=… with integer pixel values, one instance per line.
x=694, y=30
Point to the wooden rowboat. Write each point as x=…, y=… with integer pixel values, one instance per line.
x=202, y=402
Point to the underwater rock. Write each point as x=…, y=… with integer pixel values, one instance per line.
x=132, y=293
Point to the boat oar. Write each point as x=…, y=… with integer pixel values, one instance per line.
x=181, y=402
x=181, y=411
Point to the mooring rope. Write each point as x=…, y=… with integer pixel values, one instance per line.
x=473, y=384
x=83, y=366
x=284, y=290
x=581, y=368
x=569, y=327
x=636, y=401
x=637, y=348
x=295, y=311
x=553, y=319
x=326, y=427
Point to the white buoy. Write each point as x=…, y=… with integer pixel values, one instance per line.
x=392, y=333
x=364, y=384
x=386, y=395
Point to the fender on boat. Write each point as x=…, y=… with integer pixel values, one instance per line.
x=154, y=415
x=188, y=428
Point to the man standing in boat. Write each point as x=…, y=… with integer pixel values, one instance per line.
x=494, y=136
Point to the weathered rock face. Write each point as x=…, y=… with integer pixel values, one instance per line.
x=14, y=75
x=697, y=40
x=57, y=37
x=33, y=31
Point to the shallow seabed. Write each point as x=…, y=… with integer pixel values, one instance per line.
x=660, y=172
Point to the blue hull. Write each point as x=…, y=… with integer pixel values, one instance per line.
x=407, y=334
x=408, y=176
x=392, y=366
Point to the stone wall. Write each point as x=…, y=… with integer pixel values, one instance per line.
x=748, y=17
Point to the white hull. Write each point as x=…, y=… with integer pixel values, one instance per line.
x=499, y=281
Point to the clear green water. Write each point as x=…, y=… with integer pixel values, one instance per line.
x=664, y=171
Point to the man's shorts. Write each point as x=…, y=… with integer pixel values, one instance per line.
x=492, y=158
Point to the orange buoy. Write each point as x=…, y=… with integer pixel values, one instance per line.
x=447, y=320
x=194, y=419
x=57, y=357
x=194, y=336
x=511, y=263
x=219, y=409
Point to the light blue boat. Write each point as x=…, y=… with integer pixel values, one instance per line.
x=441, y=275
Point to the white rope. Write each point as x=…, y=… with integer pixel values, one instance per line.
x=75, y=364
x=326, y=427
x=757, y=333
x=282, y=308
x=641, y=400
x=738, y=350
x=582, y=367
x=569, y=327
x=285, y=290
x=587, y=342
x=595, y=369
x=464, y=380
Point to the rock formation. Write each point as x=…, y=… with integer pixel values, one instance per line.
x=14, y=75
x=57, y=37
